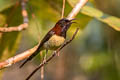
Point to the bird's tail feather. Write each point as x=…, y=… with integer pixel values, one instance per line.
x=30, y=58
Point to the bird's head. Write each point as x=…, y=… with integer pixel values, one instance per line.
x=62, y=26
x=65, y=24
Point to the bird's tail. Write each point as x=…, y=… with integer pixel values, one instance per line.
x=30, y=58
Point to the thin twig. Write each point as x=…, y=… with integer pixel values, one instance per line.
x=42, y=73
x=63, y=9
x=29, y=52
x=21, y=26
x=53, y=55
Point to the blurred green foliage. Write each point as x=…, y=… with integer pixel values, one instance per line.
x=91, y=11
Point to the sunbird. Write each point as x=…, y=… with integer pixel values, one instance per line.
x=53, y=39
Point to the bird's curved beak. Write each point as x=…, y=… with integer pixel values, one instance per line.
x=72, y=20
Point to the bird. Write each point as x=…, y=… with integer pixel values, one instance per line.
x=53, y=39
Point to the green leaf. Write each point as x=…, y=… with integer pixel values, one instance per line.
x=2, y=20
x=89, y=10
x=4, y=4
x=9, y=41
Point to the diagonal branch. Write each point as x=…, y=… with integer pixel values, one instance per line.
x=63, y=9
x=29, y=52
x=17, y=58
x=77, y=8
x=53, y=55
x=21, y=26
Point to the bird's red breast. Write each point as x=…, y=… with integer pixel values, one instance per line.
x=57, y=29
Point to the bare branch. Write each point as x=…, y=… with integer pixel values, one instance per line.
x=63, y=9
x=21, y=26
x=27, y=53
x=17, y=58
x=53, y=55
x=16, y=28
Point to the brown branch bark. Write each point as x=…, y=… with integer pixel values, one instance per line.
x=17, y=58
x=27, y=53
x=21, y=26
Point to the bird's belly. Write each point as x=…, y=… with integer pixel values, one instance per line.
x=54, y=42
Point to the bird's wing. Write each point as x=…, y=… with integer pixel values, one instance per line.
x=46, y=38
